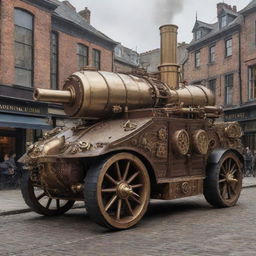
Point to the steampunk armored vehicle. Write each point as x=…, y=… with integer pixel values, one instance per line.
x=141, y=138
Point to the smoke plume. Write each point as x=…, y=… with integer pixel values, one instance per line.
x=165, y=10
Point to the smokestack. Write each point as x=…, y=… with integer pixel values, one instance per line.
x=86, y=14
x=169, y=67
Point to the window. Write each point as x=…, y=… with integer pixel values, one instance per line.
x=96, y=59
x=198, y=34
x=228, y=89
x=228, y=47
x=118, y=51
x=212, y=54
x=224, y=21
x=212, y=85
x=82, y=56
x=197, y=59
x=23, y=33
x=252, y=82
x=54, y=60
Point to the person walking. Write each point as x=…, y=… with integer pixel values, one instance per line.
x=248, y=161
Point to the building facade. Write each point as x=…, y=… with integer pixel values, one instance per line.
x=42, y=42
x=125, y=59
x=222, y=56
x=150, y=60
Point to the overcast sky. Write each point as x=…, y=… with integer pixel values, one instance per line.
x=135, y=23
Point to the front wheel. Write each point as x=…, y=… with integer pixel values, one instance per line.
x=39, y=201
x=117, y=191
x=223, y=182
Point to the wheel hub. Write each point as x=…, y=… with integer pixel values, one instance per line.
x=124, y=190
x=230, y=178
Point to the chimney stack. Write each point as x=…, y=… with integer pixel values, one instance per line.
x=234, y=8
x=169, y=69
x=86, y=14
x=220, y=6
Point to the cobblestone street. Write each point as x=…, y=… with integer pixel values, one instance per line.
x=181, y=227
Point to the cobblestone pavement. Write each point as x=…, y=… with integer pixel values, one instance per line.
x=182, y=227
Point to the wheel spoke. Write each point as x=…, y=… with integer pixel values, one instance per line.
x=108, y=190
x=133, y=177
x=228, y=191
x=135, y=194
x=224, y=191
x=137, y=186
x=110, y=203
x=129, y=206
x=233, y=169
x=41, y=196
x=126, y=170
x=48, y=203
x=229, y=164
x=135, y=199
x=110, y=178
x=119, y=206
x=222, y=180
x=232, y=190
x=118, y=171
x=58, y=203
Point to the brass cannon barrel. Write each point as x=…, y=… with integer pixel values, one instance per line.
x=94, y=94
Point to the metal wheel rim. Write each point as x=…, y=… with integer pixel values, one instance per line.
x=230, y=179
x=123, y=190
x=46, y=202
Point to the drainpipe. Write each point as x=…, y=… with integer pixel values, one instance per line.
x=240, y=69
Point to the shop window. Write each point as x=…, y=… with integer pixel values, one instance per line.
x=252, y=82
x=82, y=56
x=228, y=89
x=23, y=22
x=212, y=85
x=197, y=59
x=54, y=60
x=212, y=54
x=96, y=59
x=228, y=47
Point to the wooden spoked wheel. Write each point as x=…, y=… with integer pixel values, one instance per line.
x=117, y=191
x=223, y=183
x=39, y=201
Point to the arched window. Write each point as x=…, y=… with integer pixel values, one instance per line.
x=23, y=22
x=82, y=56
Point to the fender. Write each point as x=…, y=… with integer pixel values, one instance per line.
x=216, y=155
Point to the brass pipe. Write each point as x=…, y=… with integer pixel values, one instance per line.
x=169, y=69
x=53, y=96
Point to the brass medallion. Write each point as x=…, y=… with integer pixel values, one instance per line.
x=201, y=141
x=181, y=141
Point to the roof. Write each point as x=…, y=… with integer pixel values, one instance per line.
x=251, y=5
x=231, y=12
x=66, y=12
x=128, y=56
x=215, y=29
x=201, y=24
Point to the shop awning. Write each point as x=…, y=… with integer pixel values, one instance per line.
x=26, y=122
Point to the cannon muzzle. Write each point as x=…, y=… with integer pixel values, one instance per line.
x=53, y=96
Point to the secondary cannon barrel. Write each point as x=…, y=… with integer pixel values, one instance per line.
x=93, y=95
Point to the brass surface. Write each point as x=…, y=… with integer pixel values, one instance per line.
x=181, y=142
x=123, y=184
x=169, y=69
x=201, y=142
x=94, y=95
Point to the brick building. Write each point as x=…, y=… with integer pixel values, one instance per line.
x=222, y=56
x=42, y=42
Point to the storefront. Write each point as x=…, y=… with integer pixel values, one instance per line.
x=246, y=116
x=21, y=123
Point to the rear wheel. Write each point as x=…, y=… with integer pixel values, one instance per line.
x=40, y=202
x=223, y=182
x=117, y=191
